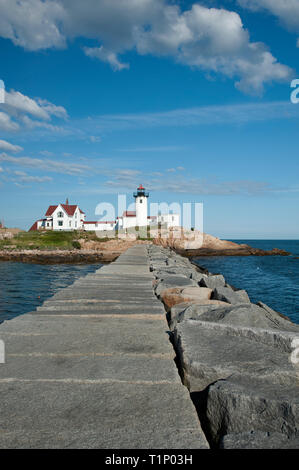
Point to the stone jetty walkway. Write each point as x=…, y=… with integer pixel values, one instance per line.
x=93, y=367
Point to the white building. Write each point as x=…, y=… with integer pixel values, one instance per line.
x=71, y=217
x=101, y=225
x=61, y=217
x=140, y=217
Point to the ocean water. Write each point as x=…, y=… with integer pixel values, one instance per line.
x=272, y=279
x=24, y=286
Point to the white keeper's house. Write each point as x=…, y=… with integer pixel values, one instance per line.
x=61, y=217
x=71, y=217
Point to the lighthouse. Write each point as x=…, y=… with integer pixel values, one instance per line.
x=141, y=206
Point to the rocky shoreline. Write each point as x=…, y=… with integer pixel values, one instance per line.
x=242, y=251
x=59, y=256
x=235, y=357
x=109, y=254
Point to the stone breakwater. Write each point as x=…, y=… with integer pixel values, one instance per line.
x=234, y=356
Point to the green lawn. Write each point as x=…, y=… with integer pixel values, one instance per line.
x=48, y=240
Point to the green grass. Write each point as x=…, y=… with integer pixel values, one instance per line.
x=48, y=240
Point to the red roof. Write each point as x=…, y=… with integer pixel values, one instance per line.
x=106, y=222
x=101, y=222
x=50, y=210
x=141, y=187
x=34, y=227
x=70, y=210
x=129, y=214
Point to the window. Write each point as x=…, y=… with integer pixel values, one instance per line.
x=60, y=223
x=60, y=214
x=48, y=224
x=76, y=214
x=141, y=201
x=70, y=223
x=172, y=219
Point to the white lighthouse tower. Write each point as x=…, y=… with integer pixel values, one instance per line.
x=141, y=206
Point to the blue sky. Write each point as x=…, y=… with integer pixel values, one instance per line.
x=192, y=99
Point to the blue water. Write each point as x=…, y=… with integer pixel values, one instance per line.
x=272, y=279
x=24, y=286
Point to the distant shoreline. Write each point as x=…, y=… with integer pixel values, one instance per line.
x=107, y=256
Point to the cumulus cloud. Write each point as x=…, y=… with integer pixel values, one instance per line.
x=210, y=39
x=32, y=24
x=286, y=10
x=8, y=147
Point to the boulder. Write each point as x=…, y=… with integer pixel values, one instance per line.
x=263, y=404
x=194, y=311
x=258, y=440
x=174, y=271
x=171, y=282
x=197, y=276
x=228, y=295
x=248, y=315
x=175, y=296
x=213, y=281
x=276, y=316
x=197, y=294
x=210, y=351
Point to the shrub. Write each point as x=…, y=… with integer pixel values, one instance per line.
x=76, y=245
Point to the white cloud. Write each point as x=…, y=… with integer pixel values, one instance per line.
x=235, y=114
x=34, y=179
x=1, y=169
x=6, y=124
x=94, y=139
x=106, y=56
x=17, y=104
x=32, y=23
x=286, y=10
x=46, y=153
x=7, y=147
x=165, y=148
x=33, y=124
x=47, y=165
x=189, y=185
x=21, y=111
x=210, y=39
x=53, y=110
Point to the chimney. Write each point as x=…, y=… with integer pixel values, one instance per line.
x=67, y=202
